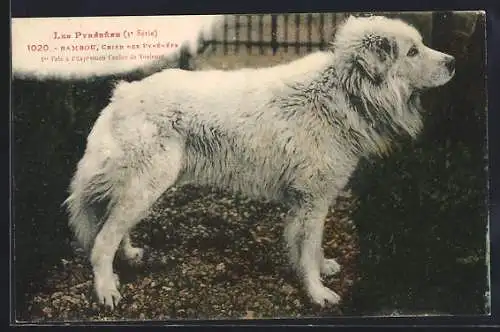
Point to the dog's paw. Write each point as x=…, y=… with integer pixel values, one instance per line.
x=107, y=291
x=330, y=267
x=323, y=296
x=133, y=255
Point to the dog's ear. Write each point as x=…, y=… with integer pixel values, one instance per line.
x=375, y=55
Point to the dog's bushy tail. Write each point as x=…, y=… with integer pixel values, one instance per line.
x=90, y=199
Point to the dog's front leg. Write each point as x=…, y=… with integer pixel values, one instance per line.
x=329, y=266
x=311, y=263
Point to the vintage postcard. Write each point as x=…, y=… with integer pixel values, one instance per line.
x=173, y=168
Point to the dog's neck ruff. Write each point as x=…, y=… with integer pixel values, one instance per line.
x=368, y=116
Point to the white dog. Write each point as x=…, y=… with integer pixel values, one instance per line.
x=293, y=133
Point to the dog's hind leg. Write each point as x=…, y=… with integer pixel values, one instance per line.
x=130, y=253
x=126, y=213
x=141, y=190
x=293, y=232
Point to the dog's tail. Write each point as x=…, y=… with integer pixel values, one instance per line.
x=90, y=198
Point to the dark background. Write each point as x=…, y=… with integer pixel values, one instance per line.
x=47, y=144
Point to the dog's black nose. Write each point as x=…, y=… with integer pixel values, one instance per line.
x=450, y=64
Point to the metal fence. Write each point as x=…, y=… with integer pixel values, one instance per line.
x=298, y=33
x=270, y=33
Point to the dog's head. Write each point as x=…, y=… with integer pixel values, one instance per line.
x=388, y=50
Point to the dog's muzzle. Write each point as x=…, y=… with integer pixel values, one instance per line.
x=450, y=64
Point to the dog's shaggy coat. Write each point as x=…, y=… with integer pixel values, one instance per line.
x=293, y=132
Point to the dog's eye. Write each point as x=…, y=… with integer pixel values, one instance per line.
x=413, y=51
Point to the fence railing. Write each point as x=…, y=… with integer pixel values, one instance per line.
x=297, y=33
x=259, y=34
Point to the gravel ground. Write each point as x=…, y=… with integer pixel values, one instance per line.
x=209, y=256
